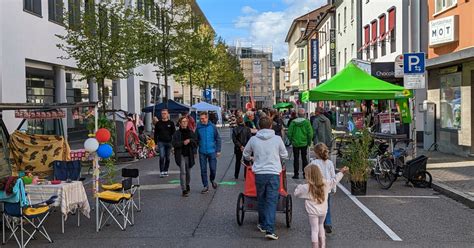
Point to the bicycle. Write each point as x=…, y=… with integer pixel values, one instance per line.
x=383, y=167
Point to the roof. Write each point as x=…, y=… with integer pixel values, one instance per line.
x=313, y=15
x=197, y=10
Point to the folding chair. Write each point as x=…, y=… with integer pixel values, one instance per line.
x=117, y=205
x=133, y=174
x=15, y=213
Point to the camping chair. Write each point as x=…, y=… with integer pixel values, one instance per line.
x=128, y=173
x=117, y=205
x=17, y=211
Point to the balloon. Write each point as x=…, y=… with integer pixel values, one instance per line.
x=91, y=144
x=102, y=135
x=105, y=151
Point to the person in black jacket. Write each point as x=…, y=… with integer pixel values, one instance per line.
x=277, y=125
x=241, y=134
x=185, y=147
x=164, y=130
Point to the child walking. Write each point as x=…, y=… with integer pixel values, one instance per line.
x=315, y=192
x=327, y=169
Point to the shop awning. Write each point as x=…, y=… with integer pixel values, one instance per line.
x=352, y=83
x=283, y=105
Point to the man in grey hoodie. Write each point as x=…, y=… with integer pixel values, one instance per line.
x=268, y=149
x=322, y=128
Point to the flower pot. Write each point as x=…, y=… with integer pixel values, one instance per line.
x=359, y=188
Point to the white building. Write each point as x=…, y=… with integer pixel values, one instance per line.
x=327, y=62
x=347, y=31
x=31, y=71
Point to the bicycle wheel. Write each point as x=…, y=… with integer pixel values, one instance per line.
x=422, y=179
x=384, y=174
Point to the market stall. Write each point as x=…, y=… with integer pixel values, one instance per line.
x=206, y=107
x=172, y=106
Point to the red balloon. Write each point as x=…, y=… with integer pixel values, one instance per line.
x=102, y=135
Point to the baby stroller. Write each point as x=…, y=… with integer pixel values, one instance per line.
x=247, y=201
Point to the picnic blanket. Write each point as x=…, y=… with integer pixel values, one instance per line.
x=35, y=153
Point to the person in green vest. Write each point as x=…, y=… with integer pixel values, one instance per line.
x=300, y=134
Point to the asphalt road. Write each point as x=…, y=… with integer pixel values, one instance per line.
x=417, y=217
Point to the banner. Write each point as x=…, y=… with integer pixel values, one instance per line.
x=404, y=110
x=314, y=59
x=332, y=47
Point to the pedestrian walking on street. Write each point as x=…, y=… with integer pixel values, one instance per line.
x=241, y=134
x=250, y=121
x=233, y=120
x=164, y=130
x=209, y=150
x=327, y=169
x=322, y=128
x=300, y=134
x=277, y=124
x=315, y=193
x=268, y=150
x=185, y=145
x=191, y=121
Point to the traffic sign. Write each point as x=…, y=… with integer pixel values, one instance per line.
x=414, y=81
x=398, y=66
x=414, y=63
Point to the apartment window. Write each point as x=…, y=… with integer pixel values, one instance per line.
x=339, y=22
x=382, y=34
x=74, y=11
x=301, y=54
x=345, y=56
x=33, y=6
x=140, y=5
x=352, y=51
x=345, y=18
x=352, y=9
x=55, y=10
x=442, y=5
x=149, y=10
x=392, y=29
x=373, y=25
x=339, y=60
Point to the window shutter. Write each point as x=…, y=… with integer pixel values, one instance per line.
x=391, y=20
x=374, y=30
x=366, y=35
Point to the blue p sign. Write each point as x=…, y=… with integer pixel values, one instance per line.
x=414, y=63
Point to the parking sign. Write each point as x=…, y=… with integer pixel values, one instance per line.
x=414, y=70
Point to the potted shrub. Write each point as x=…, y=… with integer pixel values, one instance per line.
x=356, y=157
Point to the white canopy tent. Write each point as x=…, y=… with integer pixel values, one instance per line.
x=206, y=107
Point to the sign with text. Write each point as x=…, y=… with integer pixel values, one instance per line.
x=443, y=30
x=332, y=47
x=314, y=59
x=398, y=66
x=414, y=70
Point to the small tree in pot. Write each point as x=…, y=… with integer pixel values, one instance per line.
x=356, y=157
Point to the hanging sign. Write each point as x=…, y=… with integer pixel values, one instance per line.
x=332, y=47
x=40, y=115
x=314, y=59
x=404, y=110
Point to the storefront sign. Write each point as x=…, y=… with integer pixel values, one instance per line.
x=383, y=70
x=332, y=47
x=398, y=66
x=443, y=30
x=314, y=59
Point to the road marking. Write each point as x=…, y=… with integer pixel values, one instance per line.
x=399, y=196
x=159, y=186
x=371, y=215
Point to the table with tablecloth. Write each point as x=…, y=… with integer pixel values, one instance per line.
x=71, y=197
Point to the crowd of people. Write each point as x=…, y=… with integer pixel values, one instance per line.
x=260, y=139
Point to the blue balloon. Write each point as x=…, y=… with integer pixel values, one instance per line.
x=105, y=151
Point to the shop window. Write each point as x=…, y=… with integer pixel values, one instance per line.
x=55, y=10
x=450, y=101
x=32, y=6
x=442, y=5
x=39, y=86
x=74, y=12
x=143, y=86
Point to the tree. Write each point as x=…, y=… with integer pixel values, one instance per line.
x=103, y=39
x=166, y=20
x=196, y=53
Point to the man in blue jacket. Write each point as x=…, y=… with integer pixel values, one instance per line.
x=209, y=150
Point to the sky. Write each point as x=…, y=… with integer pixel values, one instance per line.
x=259, y=22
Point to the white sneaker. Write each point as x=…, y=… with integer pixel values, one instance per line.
x=166, y=173
x=162, y=174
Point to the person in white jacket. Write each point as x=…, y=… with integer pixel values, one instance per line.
x=268, y=149
x=327, y=169
x=315, y=192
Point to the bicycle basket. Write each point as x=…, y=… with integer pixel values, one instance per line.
x=415, y=165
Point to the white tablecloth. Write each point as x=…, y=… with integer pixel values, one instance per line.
x=71, y=196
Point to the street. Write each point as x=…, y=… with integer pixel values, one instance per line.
x=415, y=217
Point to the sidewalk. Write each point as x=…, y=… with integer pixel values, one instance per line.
x=453, y=176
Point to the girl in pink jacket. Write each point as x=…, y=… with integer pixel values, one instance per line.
x=315, y=192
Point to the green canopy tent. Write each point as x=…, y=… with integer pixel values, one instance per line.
x=283, y=105
x=352, y=83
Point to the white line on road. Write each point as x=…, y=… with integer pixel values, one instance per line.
x=399, y=196
x=159, y=186
x=371, y=215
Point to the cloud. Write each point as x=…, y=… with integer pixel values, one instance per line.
x=270, y=28
x=247, y=10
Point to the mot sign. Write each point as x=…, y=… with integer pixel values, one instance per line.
x=414, y=70
x=443, y=30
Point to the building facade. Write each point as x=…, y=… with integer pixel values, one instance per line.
x=348, y=38
x=451, y=73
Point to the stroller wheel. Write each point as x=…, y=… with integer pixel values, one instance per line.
x=240, y=210
x=422, y=179
x=289, y=211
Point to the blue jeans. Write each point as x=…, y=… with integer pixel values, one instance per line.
x=203, y=160
x=327, y=221
x=267, y=197
x=165, y=150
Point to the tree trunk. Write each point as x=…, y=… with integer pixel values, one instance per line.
x=190, y=89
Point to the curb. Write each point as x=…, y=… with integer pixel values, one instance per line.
x=454, y=194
